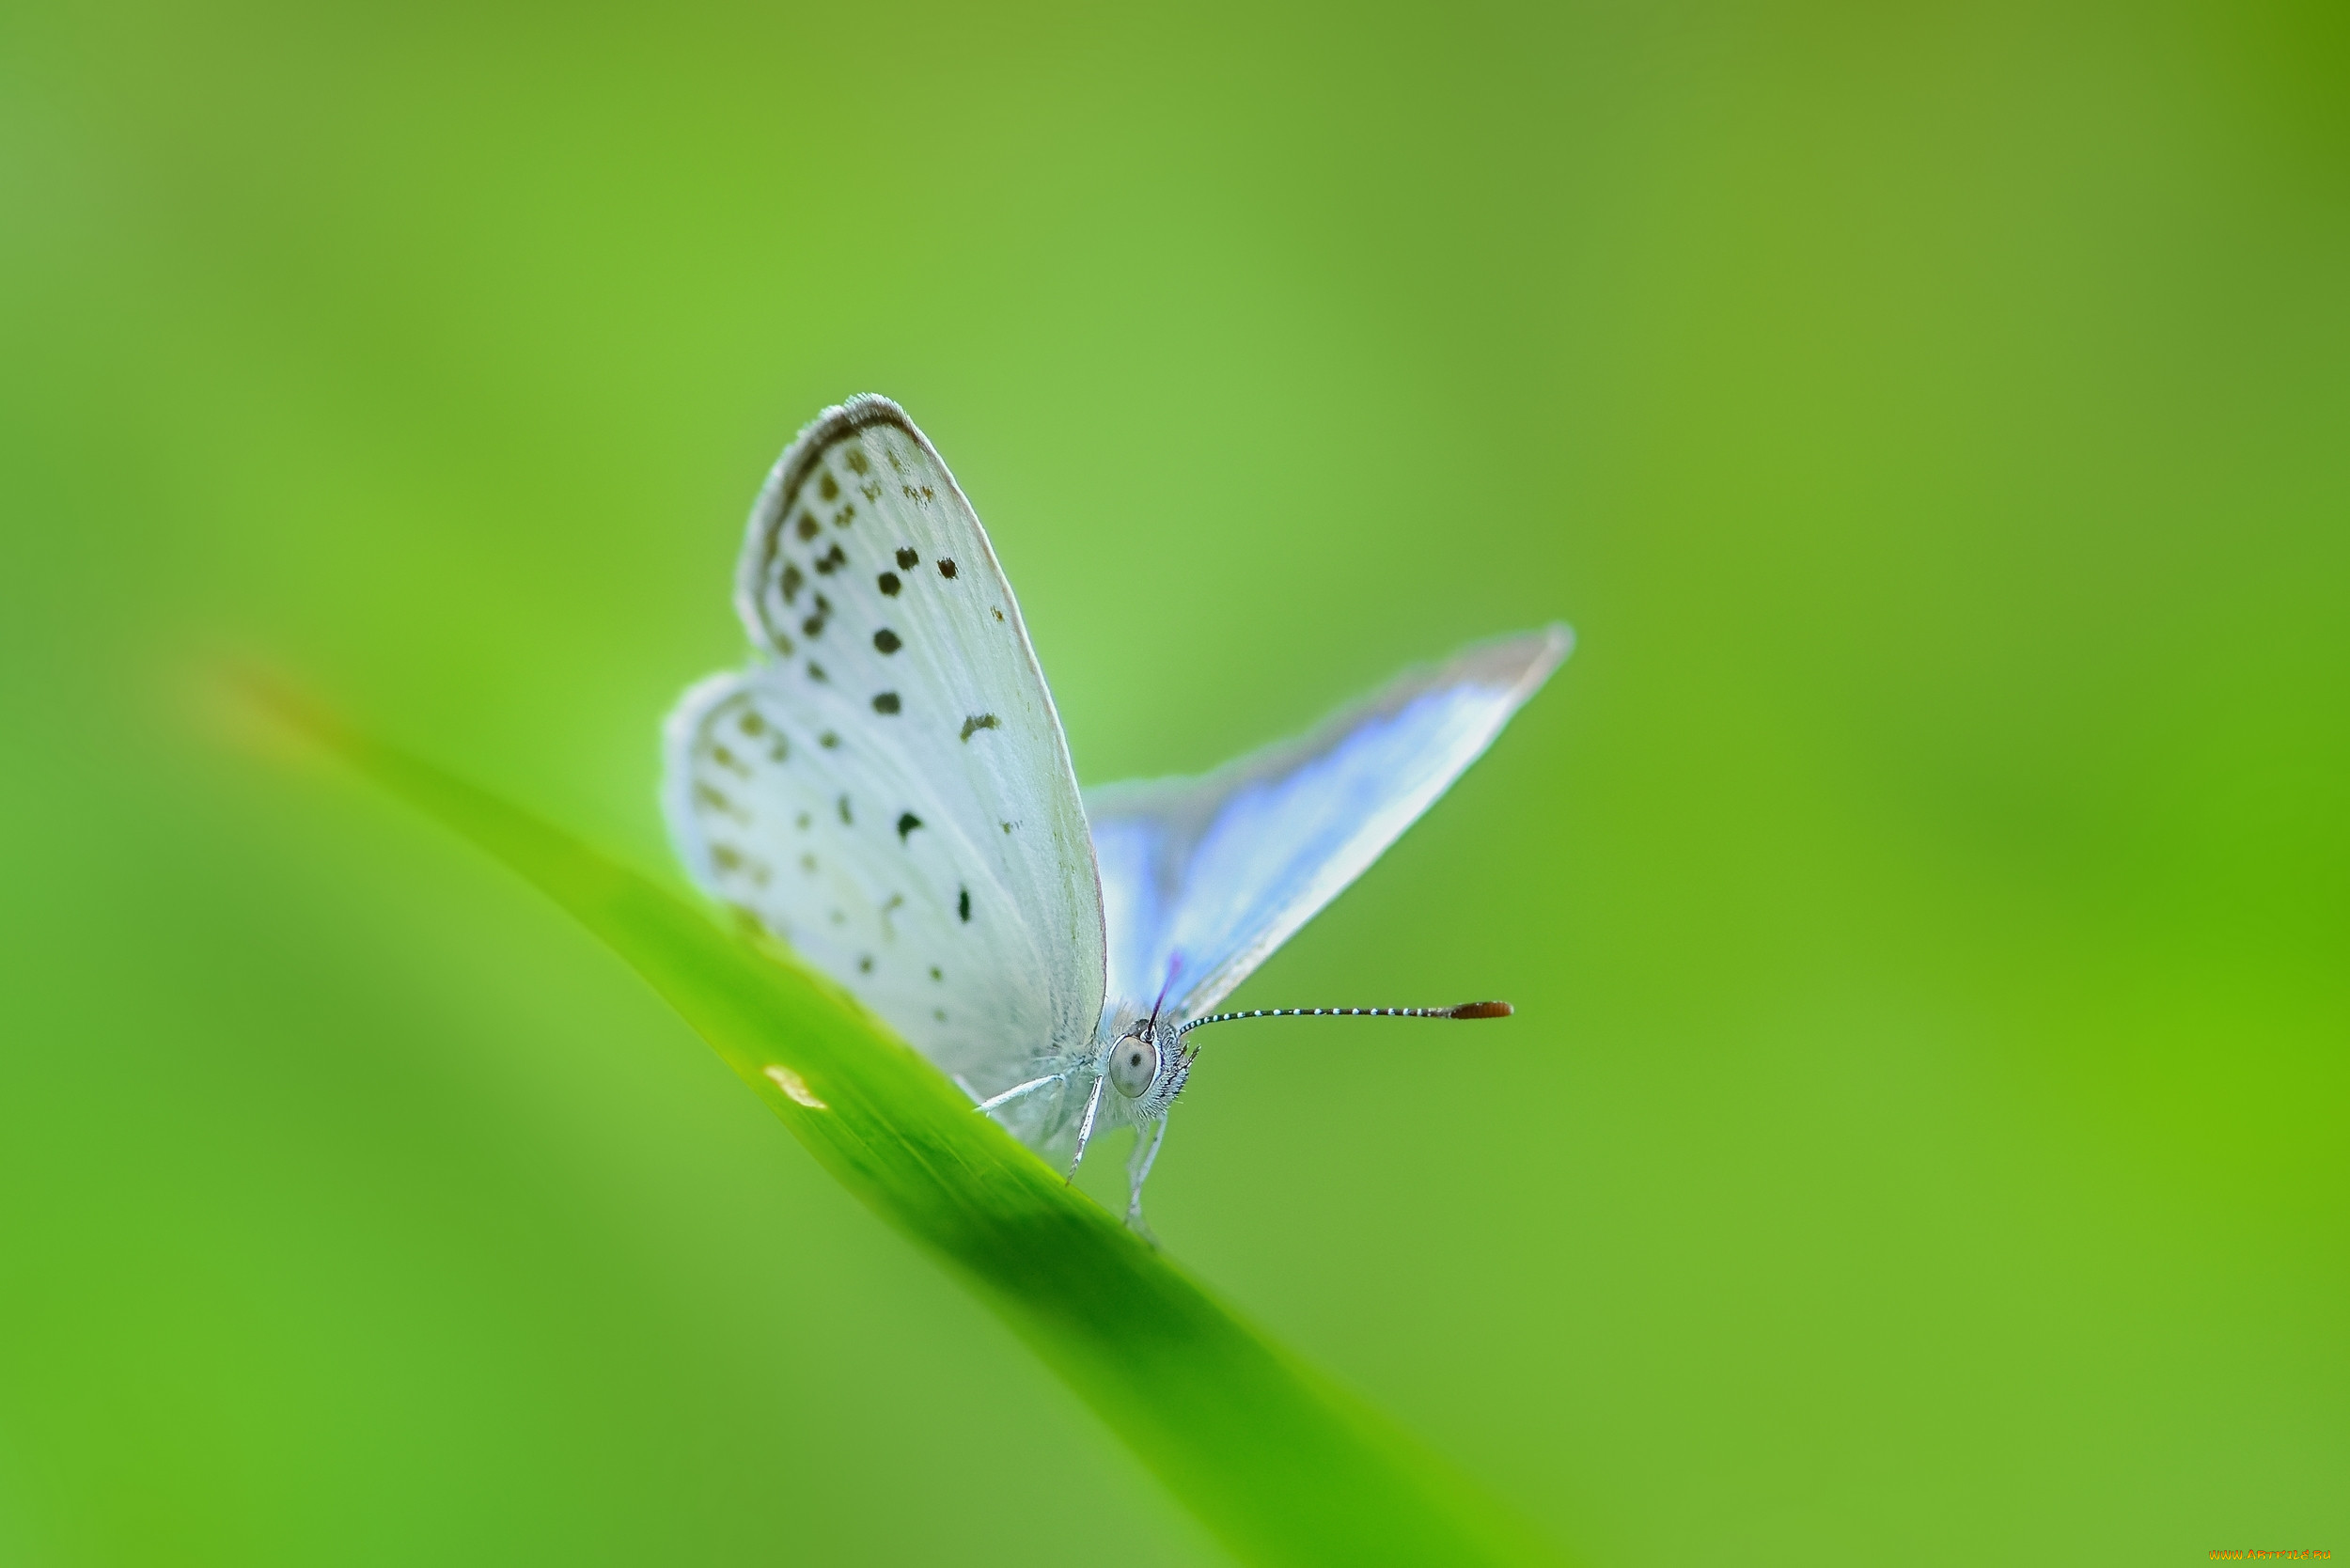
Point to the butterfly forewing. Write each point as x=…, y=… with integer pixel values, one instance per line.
x=890, y=791
x=1203, y=878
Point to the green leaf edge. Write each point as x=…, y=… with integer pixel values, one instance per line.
x=1280, y=1463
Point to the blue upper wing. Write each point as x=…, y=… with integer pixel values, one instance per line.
x=1203, y=878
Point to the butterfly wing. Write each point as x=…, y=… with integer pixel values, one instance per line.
x=1203, y=878
x=889, y=789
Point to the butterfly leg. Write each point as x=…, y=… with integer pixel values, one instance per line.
x=1017, y=1092
x=1084, y=1130
x=1138, y=1173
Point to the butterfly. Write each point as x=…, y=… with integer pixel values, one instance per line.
x=887, y=788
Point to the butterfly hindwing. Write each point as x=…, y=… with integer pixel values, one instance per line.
x=890, y=791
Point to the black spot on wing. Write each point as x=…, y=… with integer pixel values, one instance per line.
x=887, y=583
x=886, y=703
x=734, y=862
x=946, y=567
x=856, y=460
x=886, y=641
x=816, y=671
x=977, y=722
x=907, y=822
x=827, y=487
x=831, y=561
x=828, y=740
x=805, y=527
x=846, y=821
x=963, y=904
x=792, y=581
x=907, y=559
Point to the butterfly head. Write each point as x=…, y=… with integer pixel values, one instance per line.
x=1148, y=1066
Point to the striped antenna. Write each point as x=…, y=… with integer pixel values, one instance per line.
x=1467, y=1009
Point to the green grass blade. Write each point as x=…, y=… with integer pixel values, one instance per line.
x=1283, y=1466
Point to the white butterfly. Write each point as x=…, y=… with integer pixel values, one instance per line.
x=888, y=789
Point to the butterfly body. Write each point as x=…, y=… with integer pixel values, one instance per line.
x=887, y=788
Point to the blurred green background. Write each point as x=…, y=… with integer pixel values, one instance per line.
x=1925, y=891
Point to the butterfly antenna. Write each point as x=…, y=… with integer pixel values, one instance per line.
x=1174, y=968
x=1467, y=1009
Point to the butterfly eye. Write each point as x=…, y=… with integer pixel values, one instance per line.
x=1133, y=1062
